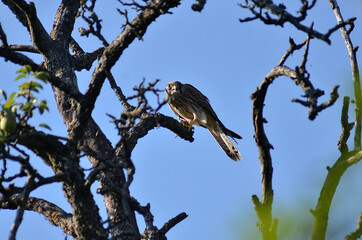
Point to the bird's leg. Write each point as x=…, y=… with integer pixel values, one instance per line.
x=190, y=123
x=186, y=123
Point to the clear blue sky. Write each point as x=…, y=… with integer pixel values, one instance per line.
x=226, y=60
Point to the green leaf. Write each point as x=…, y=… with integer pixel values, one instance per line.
x=43, y=106
x=24, y=86
x=33, y=86
x=22, y=75
x=27, y=107
x=22, y=93
x=21, y=70
x=44, y=76
x=43, y=125
x=25, y=69
x=9, y=102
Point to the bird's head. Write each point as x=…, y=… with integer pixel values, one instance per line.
x=173, y=89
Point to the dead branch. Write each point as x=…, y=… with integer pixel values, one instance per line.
x=52, y=212
x=111, y=54
x=21, y=207
x=358, y=232
x=355, y=73
x=300, y=76
x=283, y=16
x=198, y=5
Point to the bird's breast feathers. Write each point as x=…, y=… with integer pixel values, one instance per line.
x=189, y=112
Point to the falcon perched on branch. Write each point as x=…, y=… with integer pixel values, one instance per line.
x=193, y=108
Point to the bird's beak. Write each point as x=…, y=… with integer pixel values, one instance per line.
x=171, y=90
x=174, y=90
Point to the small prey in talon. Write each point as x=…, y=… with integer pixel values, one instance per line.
x=193, y=108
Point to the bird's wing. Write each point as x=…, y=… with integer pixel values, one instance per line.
x=191, y=92
x=204, y=103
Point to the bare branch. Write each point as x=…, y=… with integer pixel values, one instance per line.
x=355, y=73
x=198, y=5
x=172, y=222
x=154, y=120
x=52, y=212
x=21, y=207
x=112, y=53
x=23, y=48
x=22, y=60
x=38, y=34
x=284, y=16
x=358, y=233
x=86, y=60
x=3, y=37
x=64, y=20
x=92, y=21
x=346, y=127
x=145, y=211
x=300, y=76
x=118, y=92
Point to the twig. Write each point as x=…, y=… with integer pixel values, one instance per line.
x=284, y=16
x=109, y=57
x=20, y=212
x=355, y=73
x=23, y=48
x=172, y=222
x=346, y=127
x=3, y=37
x=92, y=21
x=145, y=211
x=118, y=92
x=358, y=232
x=300, y=76
x=198, y=5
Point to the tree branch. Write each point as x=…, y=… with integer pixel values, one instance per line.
x=284, y=16
x=355, y=73
x=9, y=54
x=52, y=212
x=64, y=20
x=148, y=123
x=38, y=34
x=300, y=76
x=21, y=207
x=198, y=5
x=172, y=222
x=112, y=53
x=328, y=190
x=346, y=127
x=358, y=232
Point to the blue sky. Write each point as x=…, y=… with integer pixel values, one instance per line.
x=226, y=60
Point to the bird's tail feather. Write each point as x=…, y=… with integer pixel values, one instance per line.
x=225, y=143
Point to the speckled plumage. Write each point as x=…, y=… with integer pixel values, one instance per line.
x=193, y=108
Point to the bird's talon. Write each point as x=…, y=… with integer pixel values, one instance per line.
x=184, y=122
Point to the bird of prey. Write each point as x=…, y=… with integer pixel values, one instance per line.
x=193, y=108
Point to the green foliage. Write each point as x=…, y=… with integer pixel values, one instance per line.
x=19, y=107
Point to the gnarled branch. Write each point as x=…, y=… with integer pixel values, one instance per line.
x=52, y=212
